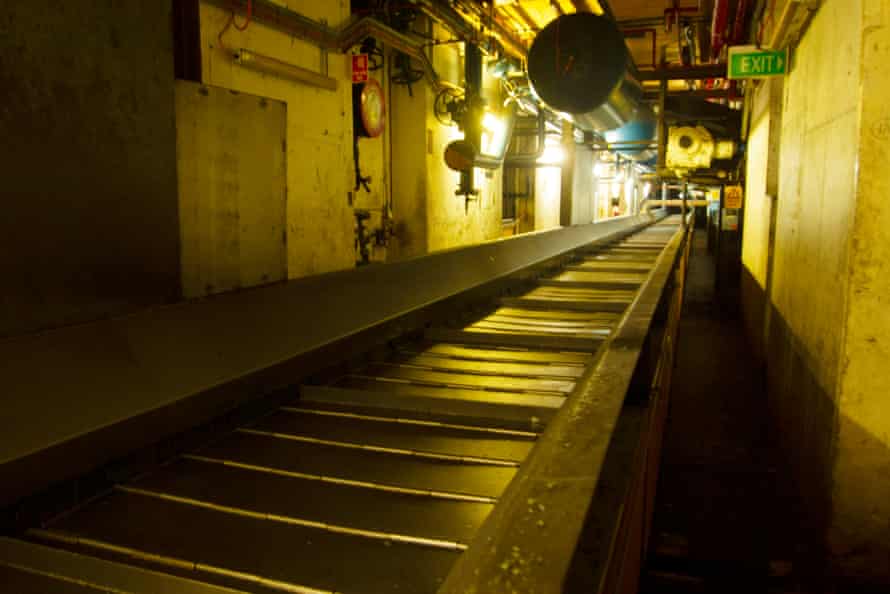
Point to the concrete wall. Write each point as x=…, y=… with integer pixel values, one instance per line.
x=89, y=225
x=860, y=532
x=320, y=219
x=825, y=319
x=817, y=196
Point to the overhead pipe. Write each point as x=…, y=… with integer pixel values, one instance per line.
x=444, y=13
x=659, y=21
x=779, y=37
x=685, y=72
x=579, y=64
x=524, y=16
x=740, y=22
x=648, y=204
x=719, y=23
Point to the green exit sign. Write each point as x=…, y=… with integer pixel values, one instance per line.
x=750, y=62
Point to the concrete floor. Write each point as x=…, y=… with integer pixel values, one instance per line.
x=715, y=527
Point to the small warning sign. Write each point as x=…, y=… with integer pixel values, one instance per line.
x=359, y=68
x=730, y=219
x=732, y=197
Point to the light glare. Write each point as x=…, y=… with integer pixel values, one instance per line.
x=553, y=155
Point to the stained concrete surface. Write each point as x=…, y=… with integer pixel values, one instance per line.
x=88, y=160
x=815, y=291
x=717, y=522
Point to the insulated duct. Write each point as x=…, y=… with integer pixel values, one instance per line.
x=579, y=64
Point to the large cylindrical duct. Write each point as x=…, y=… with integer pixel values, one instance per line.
x=579, y=64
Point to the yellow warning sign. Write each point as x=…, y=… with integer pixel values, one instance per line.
x=732, y=197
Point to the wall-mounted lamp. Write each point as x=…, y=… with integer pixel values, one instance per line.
x=495, y=130
x=495, y=135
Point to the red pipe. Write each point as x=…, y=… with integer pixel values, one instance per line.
x=718, y=27
x=738, y=24
x=654, y=33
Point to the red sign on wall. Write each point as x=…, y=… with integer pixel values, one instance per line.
x=359, y=68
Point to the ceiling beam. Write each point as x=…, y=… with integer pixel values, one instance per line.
x=701, y=93
x=530, y=22
x=684, y=73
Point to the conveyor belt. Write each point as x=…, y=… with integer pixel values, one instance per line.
x=375, y=479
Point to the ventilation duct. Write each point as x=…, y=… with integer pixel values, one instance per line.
x=579, y=64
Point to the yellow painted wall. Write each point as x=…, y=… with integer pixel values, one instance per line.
x=320, y=223
x=758, y=209
x=451, y=220
x=428, y=215
x=582, y=186
x=757, y=204
x=409, y=180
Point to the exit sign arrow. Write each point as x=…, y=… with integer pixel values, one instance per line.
x=747, y=61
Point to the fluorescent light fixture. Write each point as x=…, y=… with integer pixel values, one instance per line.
x=269, y=65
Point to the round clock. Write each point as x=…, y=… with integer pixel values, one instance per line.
x=370, y=107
